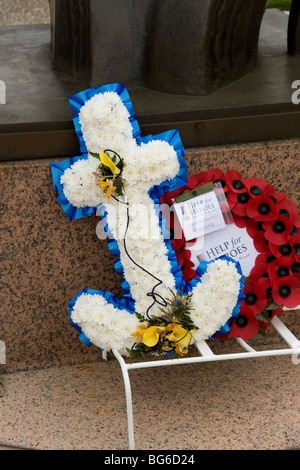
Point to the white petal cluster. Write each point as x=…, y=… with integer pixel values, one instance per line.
x=105, y=123
x=215, y=298
x=79, y=183
x=151, y=164
x=104, y=325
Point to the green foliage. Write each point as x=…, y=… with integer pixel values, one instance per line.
x=106, y=173
x=176, y=315
x=179, y=306
x=281, y=4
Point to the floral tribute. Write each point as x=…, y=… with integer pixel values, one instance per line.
x=273, y=223
x=121, y=176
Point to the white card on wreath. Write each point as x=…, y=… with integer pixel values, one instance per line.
x=200, y=215
x=231, y=241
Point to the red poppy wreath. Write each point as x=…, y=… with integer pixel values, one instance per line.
x=273, y=224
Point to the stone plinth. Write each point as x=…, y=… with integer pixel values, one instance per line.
x=188, y=47
x=46, y=260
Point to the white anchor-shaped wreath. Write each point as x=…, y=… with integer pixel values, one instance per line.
x=121, y=176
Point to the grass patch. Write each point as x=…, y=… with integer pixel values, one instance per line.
x=281, y=4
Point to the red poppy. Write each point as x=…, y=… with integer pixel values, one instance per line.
x=234, y=180
x=260, y=268
x=262, y=208
x=180, y=258
x=288, y=209
x=214, y=175
x=238, y=201
x=256, y=186
x=266, y=285
x=255, y=297
x=282, y=267
x=295, y=246
x=286, y=291
x=260, y=243
x=280, y=250
x=278, y=231
x=240, y=221
x=171, y=195
x=253, y=227
x=193, y=182
x=256, y=231
x=245, y=326
x=188, y=270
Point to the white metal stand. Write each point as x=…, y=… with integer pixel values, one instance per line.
x=206, y=355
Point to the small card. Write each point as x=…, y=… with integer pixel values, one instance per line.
x=231, y=241
x=200, y=215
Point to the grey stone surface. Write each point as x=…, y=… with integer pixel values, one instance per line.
x=256, y=107
x=38, y=95
x=189, y=47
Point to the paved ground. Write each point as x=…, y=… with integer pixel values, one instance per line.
x=250, y=404
x=21, y=12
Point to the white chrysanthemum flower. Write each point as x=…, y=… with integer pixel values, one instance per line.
x=214, y=299
x=104, y=325
x=79, y=184
x=105, y=122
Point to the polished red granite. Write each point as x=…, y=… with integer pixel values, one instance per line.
x=46, y=260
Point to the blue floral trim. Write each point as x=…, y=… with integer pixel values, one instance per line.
x=121, y=304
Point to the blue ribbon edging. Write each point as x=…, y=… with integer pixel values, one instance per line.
x=73, y=213
x=172, y=137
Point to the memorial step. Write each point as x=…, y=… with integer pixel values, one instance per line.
x=234, y=405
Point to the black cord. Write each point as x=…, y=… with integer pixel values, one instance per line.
x=157, y=298
x=152, y=294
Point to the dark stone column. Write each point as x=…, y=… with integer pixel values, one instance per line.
x=175, y=46
x=198, y=47
x=70, y=37
x=294, y=29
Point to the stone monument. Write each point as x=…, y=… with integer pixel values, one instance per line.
x=294, y=29
x=187, y=47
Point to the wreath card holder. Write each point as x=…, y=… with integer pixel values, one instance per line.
x=167, y=304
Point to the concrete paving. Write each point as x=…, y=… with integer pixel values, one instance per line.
x=250, y=404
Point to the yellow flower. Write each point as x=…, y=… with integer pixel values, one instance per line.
x=106, y=161
x=107, y=186
x=139, y=333
x=148, y=335
x=179, y=335
x=151, y=335
x=180, y=350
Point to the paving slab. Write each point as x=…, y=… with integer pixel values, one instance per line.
x=249, y=404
